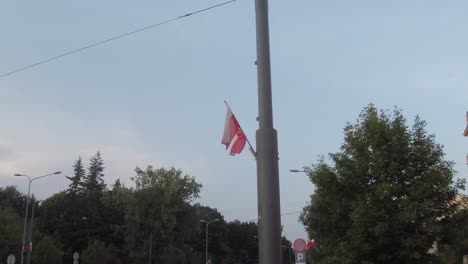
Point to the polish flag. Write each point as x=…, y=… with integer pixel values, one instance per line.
x=233, y=136
x=311, y=244
x=28, y=246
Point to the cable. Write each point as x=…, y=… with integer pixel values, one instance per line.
x=283, y=214
x=297, y=212
x=112, y=39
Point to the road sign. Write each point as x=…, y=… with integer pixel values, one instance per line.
x=299, y=245
x=11, y=259
x=300, y=258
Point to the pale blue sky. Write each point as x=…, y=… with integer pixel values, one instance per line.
x=157, y=97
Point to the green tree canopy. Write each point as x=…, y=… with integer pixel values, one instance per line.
x=98, y=253
x=381, y=198
x=10, y=232
x=454, y=244
x=11, y=198
x=159, y=214
x=46, y=252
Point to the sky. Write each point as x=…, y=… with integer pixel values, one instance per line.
x=156, y=97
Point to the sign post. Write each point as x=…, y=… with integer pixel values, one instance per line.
x=300, y=247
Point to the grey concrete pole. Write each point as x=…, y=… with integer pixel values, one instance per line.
x=25, y=220
x=269, y=218
x=31, y=226
x=150, y=247
x=206, y=243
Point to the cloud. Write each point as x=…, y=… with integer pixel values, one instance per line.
x=6, y=152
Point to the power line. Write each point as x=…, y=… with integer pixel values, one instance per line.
x=283, y=214
x=290, y=213
x=113, y=38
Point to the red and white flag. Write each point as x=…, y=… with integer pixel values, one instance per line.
x=311, y=244
x=233, y=136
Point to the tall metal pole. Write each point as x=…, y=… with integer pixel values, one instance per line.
x=206, y=243
x=150, y=247
x=267, y=148
x=31, y=225
x=27, y=205
x=25, y=220
x=206, y=237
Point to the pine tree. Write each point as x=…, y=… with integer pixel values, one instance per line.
x=94, y=181
x=117, y=184
x=76, y=185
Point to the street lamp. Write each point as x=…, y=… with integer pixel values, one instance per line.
x=207, y=224
x=289, y=250
x=27, y=205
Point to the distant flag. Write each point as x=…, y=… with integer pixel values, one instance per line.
x=233, y=136
x=28, y=246
x=311, y=244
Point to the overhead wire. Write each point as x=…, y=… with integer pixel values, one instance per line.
x=113, y=38
x=283, y=214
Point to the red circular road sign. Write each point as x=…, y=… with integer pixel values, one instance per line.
x=299, y=245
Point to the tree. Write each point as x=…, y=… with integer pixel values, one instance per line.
x=243, y=242
x=10, y=232
x=159, y=214
x=46, y=252
x=12, y=205
x=76, y=185
x=218, y=237
x=94, y=188
x=383, y=195
x=94, y=181
x=454, y=244
x=115, y=202
x=11, y=198
x=98, y=253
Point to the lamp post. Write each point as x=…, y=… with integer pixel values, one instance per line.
x=289, y=251
x=27, y=205
x=206, y=238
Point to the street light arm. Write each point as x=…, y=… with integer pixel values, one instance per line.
x=39, y=177
x=294, y=170
x=212, y=221
x=23, y=175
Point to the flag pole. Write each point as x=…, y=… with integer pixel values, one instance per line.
x=252, y=150
x=269, y=215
